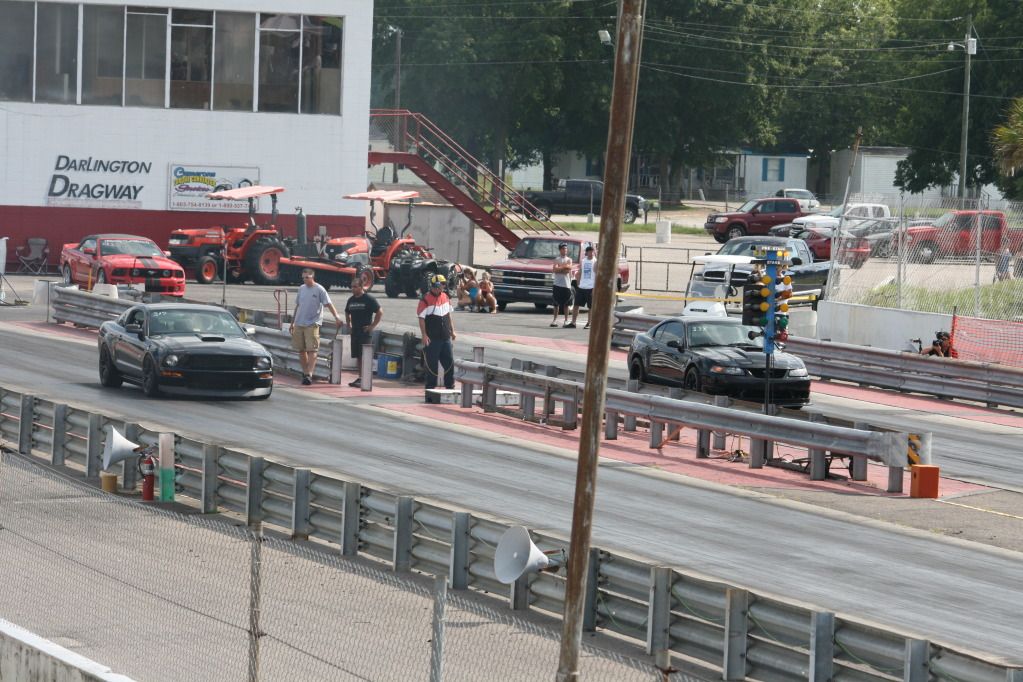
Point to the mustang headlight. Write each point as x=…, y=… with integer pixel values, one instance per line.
x=722, y=369
x=798, y=373
x=135, y=272
x=720, y=219
x=166, y=273
x=171, y=360
x=264, y=363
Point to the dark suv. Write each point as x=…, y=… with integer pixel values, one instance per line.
x=755, y=217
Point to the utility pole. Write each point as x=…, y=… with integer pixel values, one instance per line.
x=398, y=33
x=616, y=177
x=969, y=47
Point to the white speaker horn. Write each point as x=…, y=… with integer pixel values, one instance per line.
x=516, y=556
x=117, y=448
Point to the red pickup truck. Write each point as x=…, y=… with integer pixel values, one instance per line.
x=954, y=235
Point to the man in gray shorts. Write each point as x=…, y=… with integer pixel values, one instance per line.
x=305, y=324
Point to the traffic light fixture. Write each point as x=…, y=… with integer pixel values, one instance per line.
x=755, y=302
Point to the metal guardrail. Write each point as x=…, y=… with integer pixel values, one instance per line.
x=818, y=437
x=735, y=633
x=991, y=384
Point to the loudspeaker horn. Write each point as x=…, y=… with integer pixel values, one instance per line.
x=117, y=448
x=516, y=555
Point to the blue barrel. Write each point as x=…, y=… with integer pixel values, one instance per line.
x=389, y=367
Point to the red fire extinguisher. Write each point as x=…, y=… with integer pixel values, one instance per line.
x=147, y=469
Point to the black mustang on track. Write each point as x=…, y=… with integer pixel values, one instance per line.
x=182, y=348
x=715, y=355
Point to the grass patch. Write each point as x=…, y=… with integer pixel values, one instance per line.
x=1000, y=300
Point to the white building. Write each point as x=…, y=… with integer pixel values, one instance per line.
x=120, y=118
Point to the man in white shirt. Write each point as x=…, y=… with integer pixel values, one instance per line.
x=562, y=293
x=584, y=290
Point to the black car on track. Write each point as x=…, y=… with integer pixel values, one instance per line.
x=715, y=355
x=186, y=349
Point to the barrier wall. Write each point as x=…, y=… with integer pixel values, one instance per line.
x=26, y=657
x=890, y=328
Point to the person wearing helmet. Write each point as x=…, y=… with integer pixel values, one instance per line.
x=438, y=332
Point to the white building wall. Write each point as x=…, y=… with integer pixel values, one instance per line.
x=756, y=186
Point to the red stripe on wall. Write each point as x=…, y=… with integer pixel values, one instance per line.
x=63, y=225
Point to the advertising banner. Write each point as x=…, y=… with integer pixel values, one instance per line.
x=189, y=183
x=93, y=182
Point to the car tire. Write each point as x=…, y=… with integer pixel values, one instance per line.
x=692, y=381
x=735, y=231
x=501, y=305
x=925, y=252
x=150, y=379
x=636, y=369
x=630, y=215
x=720, y=239
x=66, y=272
x=543, y=211
x=206, y=270
x=109, y=375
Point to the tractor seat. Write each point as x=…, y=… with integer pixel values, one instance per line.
x=383, y=239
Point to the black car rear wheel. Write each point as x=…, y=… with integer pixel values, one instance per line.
x=109, y=376
x=636, y=369
x=150, y=379
x=630, y=215
x=692, y=380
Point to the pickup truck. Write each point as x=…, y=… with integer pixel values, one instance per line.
x=728, y=269
x=755, y=217
x=854, y=214
x=954, y=235
x=527, y=274
x=579, y=197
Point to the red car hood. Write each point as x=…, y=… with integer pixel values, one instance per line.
x=125, y=261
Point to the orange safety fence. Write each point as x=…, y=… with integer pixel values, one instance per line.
x=981, y=340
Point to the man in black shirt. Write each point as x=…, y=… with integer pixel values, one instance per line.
x=362, y=314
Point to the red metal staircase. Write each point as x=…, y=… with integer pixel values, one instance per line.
x=423, y=148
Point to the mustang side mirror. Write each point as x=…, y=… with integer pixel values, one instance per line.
x=796, y=260
x=674, y=344
x=250, y=330
x=89, y=251
x=133, y=328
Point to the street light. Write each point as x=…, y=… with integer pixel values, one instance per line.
x=970, y=48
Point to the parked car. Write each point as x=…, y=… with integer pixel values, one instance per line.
x=807, y=199
x=756, y=216
x=808, y=274
x=853, y=251
x=121, y=259
x=527, y=274
x=716, y=355
x=880, y=236
x=580, y=197
x=853, y=215
x=183, y=348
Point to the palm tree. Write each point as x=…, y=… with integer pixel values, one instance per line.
x=1007, y=140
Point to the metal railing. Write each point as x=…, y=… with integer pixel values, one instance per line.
x=736, y=633
x=946, y=377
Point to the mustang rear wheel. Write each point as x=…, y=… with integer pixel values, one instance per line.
x=109, y=376
x=636, y=369
x=66, y=272
x=150, y=379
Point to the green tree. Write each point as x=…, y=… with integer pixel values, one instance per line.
x=1007, y=143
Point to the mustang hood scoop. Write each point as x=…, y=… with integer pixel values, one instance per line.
x=213, y=339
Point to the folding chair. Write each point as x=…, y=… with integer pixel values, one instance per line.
x=33, y=256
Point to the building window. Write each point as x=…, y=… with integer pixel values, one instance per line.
x=279, y=40
x=57, y=53
x=102, y=54
x=146, y=62
x=773, y=170
x=233, y=61
x=191, y=58
x=321, y=65
x=17, y=21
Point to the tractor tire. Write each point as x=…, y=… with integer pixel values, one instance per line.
x=392, y=285
x=263, y=261
x=366, y=274
x=206, y=270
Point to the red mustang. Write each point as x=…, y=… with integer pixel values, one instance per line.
x=121, y=259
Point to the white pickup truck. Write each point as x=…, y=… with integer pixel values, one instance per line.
x=854, y=213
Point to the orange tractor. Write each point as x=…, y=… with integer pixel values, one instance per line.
x=382, y=255
x=238, y=254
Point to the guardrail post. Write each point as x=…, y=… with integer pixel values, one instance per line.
x=914, y=667
x=366, y=367
x=818, y=457
x=658, y=630
x=656, y=428
x=130, y=466
x=351, y=519
x=610, y=425
x=629, y=422
x=300, y=526
x=94, y=446
x=402, y=553
x=254, y=492
x=702, y=443
x=210, y=482
x=675, y=433
x=58, y=447
x=570, y=411
x=592, y=590
x=336, y=354
x=822, y=646
x=548, y=403
x=736, y=631
x=858, y=470
x=527, y=402
x=718, y=440
x=26, y=416
x=458, y=573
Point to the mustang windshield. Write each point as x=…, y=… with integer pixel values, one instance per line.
x=715, y=334
x=543, y=248
x=169, y=322
x=129, y=247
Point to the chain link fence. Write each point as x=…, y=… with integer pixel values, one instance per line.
x=159, y=595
